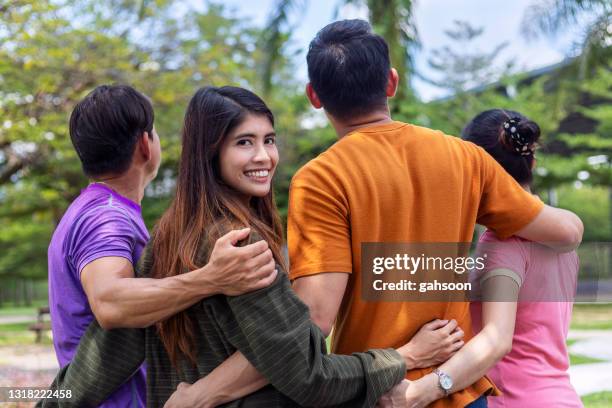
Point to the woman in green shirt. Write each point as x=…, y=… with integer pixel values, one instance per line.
x=228, y=159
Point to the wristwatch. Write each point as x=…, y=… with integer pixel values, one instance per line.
x=444, y=381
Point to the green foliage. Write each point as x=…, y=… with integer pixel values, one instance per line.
x=592, y=316
x=598, y=400
x=459, y=67
x=50, y=59
x=274, y=40
x=553, y=17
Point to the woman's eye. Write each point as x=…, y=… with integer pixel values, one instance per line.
x=270, y=140
x=244, y=142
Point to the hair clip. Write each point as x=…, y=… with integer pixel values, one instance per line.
x=517, y=141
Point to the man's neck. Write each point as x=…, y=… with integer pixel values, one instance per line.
x=343, y=128
x=130, y=184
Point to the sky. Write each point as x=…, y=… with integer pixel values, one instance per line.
x=501, y=21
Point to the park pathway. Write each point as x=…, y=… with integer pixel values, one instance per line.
x=18, y=319
x=593, y=377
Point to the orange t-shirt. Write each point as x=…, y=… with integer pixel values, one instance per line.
x=397, y=183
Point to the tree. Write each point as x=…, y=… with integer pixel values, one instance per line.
x=551, y=17
x=593, y=65
x=274, y=38
x=460, y=66
x=49, y=60
x=467, y=74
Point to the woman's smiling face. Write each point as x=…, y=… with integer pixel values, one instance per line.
x=248, y=157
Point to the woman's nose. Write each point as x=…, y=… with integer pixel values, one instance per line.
x=261, y=154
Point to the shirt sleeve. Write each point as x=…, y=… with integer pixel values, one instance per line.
x=503, y=258
x=318, y=230
x=505, y=207
x=104, y=360
x=100, y=234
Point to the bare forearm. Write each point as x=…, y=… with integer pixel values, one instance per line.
x=465, y=368
x=556, y=228
x=233, y=379
x=141, y=302
x=475, y=358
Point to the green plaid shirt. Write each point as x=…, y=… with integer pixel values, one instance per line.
x=270, y=326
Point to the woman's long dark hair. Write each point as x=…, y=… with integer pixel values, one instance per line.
x=203, y=201
x=512, y=148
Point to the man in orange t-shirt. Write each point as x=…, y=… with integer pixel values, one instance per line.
x=387, y=181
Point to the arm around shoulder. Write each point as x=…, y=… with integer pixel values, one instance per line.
x=556, y=228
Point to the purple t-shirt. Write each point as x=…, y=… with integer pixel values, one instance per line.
x=99, y=223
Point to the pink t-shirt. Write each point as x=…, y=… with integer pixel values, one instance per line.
x=534, y=373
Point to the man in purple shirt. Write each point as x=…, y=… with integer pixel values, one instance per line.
x=102, y=235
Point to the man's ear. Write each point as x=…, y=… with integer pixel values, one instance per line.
x=392, y=83
x=144, y=146
x=313, y=97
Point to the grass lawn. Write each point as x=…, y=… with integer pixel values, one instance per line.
x=576, y=359
x=15, y=327
x=592, y=316
x=15, y=334
x=19, y=311
x=598, y=400
x=9, y=309
x=21, y=338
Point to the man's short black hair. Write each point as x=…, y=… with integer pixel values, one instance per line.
x=106, y=125
x=348, y=67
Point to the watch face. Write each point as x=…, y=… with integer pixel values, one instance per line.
x=446, y=382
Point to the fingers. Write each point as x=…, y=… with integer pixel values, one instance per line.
x=436, y=324
x=450, y=327
x=456, y=335
x=261, y=260
x=253, y=250
x=262, y=272
x=234, y=236
x=267, y=281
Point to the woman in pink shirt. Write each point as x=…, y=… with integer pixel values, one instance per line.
x=528, y=284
